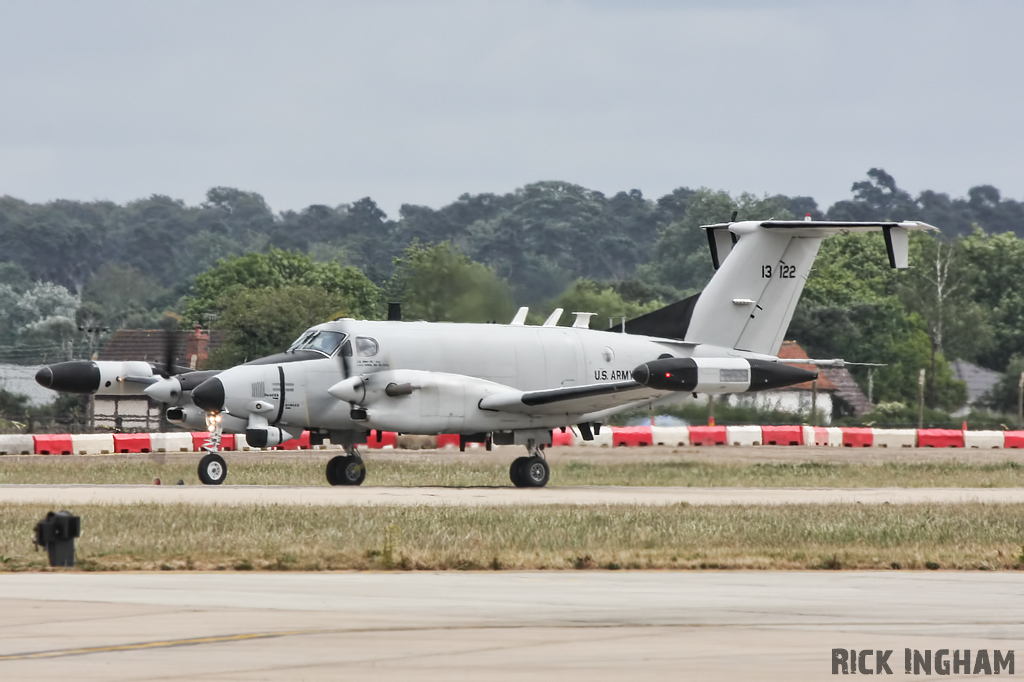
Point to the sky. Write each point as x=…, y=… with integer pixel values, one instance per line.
x=310, y=102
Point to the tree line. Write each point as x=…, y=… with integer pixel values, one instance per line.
x=231, y=263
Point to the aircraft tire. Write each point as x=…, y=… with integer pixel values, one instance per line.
x=349, y=470
x=212, y=469
x=331, y=470
x=535, y=472
x=515, y=472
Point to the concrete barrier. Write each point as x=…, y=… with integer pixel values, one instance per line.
x=707, y=435
x=743, y=435
x=17, y=444
x=171, y=442
x=825, y=436
x=1013, y=439
x=856, y=437
x=673, y=436
x=984, y=440
x=132, y=442
x=53, y=444
x=631, y=436
x=92, y=443
x=940, y=438
x=894, y=438
x=782, y=435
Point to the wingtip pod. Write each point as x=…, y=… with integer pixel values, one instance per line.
x=87, y=376
x=719, y=375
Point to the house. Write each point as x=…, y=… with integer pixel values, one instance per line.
x=191, y=349
x=979, y=381
x=835, y=393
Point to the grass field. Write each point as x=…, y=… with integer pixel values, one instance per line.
x=185, y=537
x=493, y=471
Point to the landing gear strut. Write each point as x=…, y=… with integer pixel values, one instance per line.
x=347, y=469
x=212, y=467
x=531, y=471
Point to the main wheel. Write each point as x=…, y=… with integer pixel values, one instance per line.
x=515, y=472
x=346, y=470
x=212, y=469
x=535, y=472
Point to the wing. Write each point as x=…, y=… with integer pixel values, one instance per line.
x=569, y=400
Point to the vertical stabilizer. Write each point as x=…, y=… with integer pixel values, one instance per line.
x=750, y=300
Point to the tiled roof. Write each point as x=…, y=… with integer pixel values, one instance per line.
x=148, y=345
x=835, y=379
x=791, y=350
x=978, y=379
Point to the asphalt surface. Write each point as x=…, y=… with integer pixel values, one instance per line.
x=490, y=626
x=380, y=495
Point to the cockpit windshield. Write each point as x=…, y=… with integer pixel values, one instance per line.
x=321, y=341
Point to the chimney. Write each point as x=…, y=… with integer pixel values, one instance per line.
x=197, y=347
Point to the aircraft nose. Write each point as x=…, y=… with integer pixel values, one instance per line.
x=209, y=395
x=44, y=377
x=75, y=376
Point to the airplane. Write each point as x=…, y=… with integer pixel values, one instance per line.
x=501, y=384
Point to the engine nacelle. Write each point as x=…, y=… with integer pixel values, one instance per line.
x=190, y=416
x=414, y=401
x=100, y=377
x=719, y=375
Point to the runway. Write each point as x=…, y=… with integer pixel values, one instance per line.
x=475, y=626
x=603, y=495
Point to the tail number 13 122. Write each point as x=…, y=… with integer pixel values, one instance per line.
x=785, y=271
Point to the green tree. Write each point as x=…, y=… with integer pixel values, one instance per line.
x=213, y=290
x=439, y=284
x=261, y=322
x=604, y=300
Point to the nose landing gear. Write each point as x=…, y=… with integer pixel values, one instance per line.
x=212, y=467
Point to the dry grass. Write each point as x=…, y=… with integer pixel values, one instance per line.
x=492, y=470
x=184, y=537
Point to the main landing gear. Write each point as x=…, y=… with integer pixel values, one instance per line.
x=531, y=471
x=347, y=469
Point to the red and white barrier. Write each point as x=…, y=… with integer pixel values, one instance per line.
x=984, y=440
x=743, y=435
x=627, y=436
x=17, y=444
x=92, y=443
x=673, y=436
x=940, y=438
x=854, y=437
x=782, y=435
x=632, y=436
x=826, y=436
x=894, y=438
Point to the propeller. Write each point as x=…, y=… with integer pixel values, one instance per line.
x=167, y=389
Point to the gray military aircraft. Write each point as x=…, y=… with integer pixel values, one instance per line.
x=502, y=384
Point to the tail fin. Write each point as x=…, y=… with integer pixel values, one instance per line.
x=761, y=270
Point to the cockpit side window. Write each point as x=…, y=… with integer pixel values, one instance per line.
x=366, y=347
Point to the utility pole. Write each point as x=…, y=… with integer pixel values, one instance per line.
x=920, y=400
x=1020, y=401
x=814, y=403
x=871, y=385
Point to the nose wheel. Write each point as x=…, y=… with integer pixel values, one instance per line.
x=212, y=469
x=347, y=469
